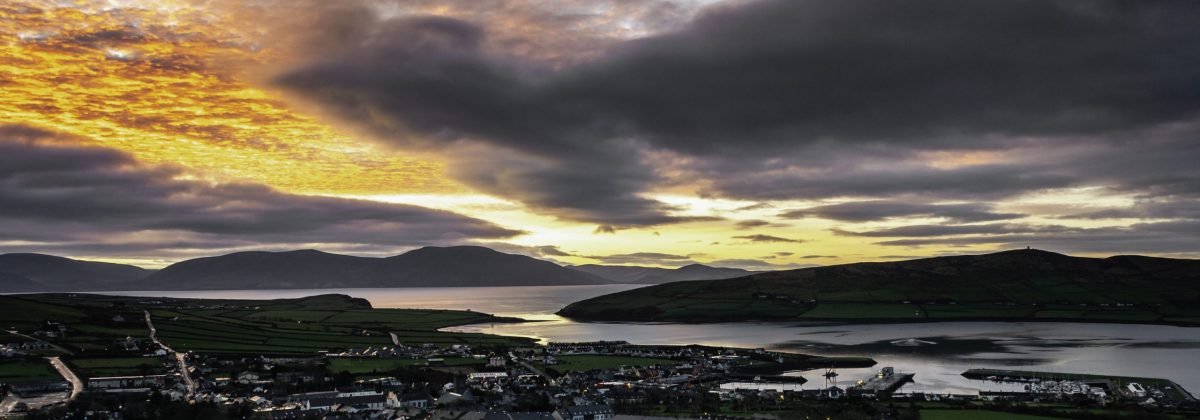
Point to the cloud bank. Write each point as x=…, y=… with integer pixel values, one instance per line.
x=64, y=195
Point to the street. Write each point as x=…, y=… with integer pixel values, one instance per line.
x=76, y=383
x=179, y=357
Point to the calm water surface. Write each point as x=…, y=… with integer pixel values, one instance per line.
x=937, y=352
x=529, y=302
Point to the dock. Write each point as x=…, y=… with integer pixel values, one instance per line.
x=763, y=378
x=887, y=381
x=1001, y=375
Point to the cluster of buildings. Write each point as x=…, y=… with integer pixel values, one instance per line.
x=1048, y=386
x=521, y=384
x=22, y=347
x=1101, y=391
x=425, y=351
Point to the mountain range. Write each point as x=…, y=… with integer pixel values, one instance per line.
x=311, y=269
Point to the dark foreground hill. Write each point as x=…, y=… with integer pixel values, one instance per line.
x=1022, y=284
x=40, y=272
x=655, y=275
x=309, y=269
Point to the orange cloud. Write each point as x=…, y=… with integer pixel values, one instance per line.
x=163, y=84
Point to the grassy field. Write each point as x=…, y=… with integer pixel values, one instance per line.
x=865, y=310
x=116, y=366
x=241, y=332
x=951, y=414
x=27, y=370
x=267, y=327
x=24, y=315
x=584, y=363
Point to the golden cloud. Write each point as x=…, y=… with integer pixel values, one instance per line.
x=166, y=83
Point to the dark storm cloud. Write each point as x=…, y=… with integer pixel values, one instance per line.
x=1155, y=209
x=1158, y=171
x=1147, y=238
x=795, y=99
x=63, y=193
x=750, y=224
x=756, y=223
x=766, y=238
x=1176, y=237
x=426, y=76
x=867, y=211
x=947, y=230
x=766, y=180
x=755, y=206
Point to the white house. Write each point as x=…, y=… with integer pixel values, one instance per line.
x=584, y=412
x=247, y=377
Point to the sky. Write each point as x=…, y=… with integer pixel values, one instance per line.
x=762, y=134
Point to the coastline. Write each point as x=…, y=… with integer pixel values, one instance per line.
x=861, y=321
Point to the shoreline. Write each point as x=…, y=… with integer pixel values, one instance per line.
x=864, y=321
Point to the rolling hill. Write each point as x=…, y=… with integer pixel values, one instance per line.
x=1020, y=284
x=655, y=275
x=301, y=269
x=26, y=272
x=474, y=266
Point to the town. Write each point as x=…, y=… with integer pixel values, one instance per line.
x=107, y=362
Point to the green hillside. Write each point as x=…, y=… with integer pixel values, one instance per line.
x=300, y=326
x=1022, y=284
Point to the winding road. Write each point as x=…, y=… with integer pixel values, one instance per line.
x=47, y=399
x=76, y=383
x=179, y=357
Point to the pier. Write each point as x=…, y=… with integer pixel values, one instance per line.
x=764, y=378
x=887, y=381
